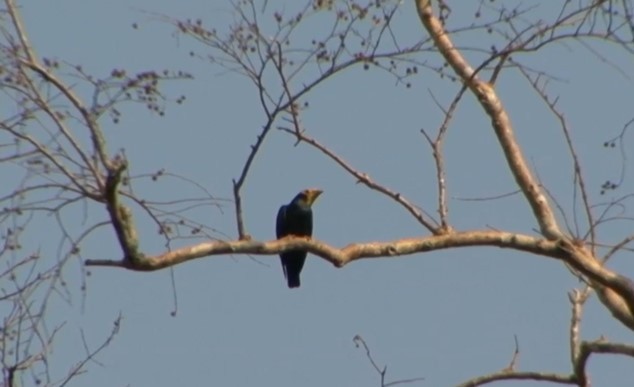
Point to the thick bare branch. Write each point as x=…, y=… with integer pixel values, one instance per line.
x=577, y=377
x=350, y=253
x=527, y=375
x=578, y=171
x=120, y=215
x=501, y=123
x=615, y=291
x=588, y=348
x=619, y=290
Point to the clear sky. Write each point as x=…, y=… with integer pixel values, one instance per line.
x=445, y=316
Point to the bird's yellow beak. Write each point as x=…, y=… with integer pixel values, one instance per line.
x=312, y=195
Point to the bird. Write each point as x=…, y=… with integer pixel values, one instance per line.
x=296, y=218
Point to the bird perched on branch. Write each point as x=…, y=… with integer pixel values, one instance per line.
x=296, y=218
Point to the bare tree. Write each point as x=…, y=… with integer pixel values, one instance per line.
x=54, y=137
x=58, y=140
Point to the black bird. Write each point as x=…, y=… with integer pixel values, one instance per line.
x=296, y=218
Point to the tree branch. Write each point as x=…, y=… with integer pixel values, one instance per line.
x=120, y=215
x=364, y=178
x=505, y=375
x=588, y=348
x=615, y=291
x=358, y=341
x=437, y=152
x=341, y=257
x=578, y=175
x=501, y=123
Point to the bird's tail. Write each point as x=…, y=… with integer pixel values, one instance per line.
x=293, y=280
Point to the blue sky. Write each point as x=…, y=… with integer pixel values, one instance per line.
x=445, y=316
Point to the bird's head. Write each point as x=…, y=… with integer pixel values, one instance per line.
x=308, y=196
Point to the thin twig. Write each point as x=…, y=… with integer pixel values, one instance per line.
x=428, y=222
x=357, y=339
x=513, y=364
x=437, y=151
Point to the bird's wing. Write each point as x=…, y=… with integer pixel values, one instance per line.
x=309, y=223
x=280, y=223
